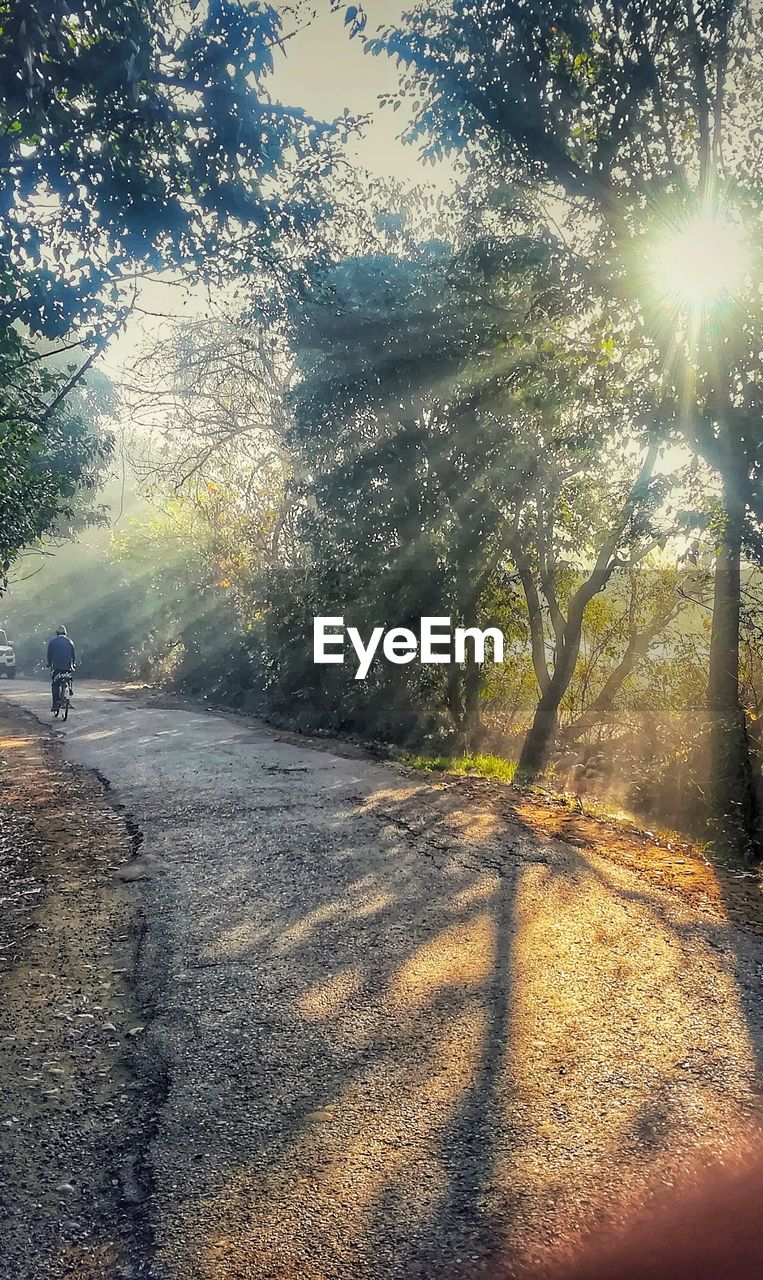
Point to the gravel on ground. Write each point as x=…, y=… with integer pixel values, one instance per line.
x=75, y=1107
x=403, y=1024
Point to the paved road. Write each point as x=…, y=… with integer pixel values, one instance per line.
x=397, y=1031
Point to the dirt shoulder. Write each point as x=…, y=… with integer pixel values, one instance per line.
x=74, y=1113
x=670, y=865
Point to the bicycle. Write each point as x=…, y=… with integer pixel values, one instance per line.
x=63, y=690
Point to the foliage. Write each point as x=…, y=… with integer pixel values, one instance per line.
x=51, y=461
x=485, y=766
x=144, y=603
x=592, y=98
x=140, y=133
x=406, y=479
x=640, y=116
x=133, y=137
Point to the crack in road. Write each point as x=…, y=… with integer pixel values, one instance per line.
x=379, y=1010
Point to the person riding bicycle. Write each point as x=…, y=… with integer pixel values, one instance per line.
x=60, y=661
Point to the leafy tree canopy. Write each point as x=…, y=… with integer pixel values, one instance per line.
x=139, y=133
x=51, y=462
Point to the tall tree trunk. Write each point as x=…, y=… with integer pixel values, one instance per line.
x=472, y=721
x=539, y=741
x=731, y=785
x=463, y=688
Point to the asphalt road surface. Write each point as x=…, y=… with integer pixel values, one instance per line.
x=399, y=1032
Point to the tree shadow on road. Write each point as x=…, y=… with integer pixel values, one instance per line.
x=424, y=1036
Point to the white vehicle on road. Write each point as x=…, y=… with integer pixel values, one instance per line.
x=7, y=657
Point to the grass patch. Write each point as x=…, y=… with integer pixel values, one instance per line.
x=485, y=766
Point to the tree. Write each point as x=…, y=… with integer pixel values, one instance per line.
x=631, y=528
x=396, y=469
x=641, y=116
x=53, y=452
x=452, y=416
x=134, y=138
x=206, y=404
x=640, y=615
x=139, y=136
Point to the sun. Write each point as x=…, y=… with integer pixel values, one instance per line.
x=702, y=261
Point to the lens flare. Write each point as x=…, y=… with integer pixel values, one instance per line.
x=702, y=261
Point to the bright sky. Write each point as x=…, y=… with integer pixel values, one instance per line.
x=323, y=71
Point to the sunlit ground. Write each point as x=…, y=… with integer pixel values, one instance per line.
x=523, y=1034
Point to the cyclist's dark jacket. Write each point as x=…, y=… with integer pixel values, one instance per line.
x=60, y=653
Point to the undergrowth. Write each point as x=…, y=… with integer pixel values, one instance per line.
x=486, y=766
